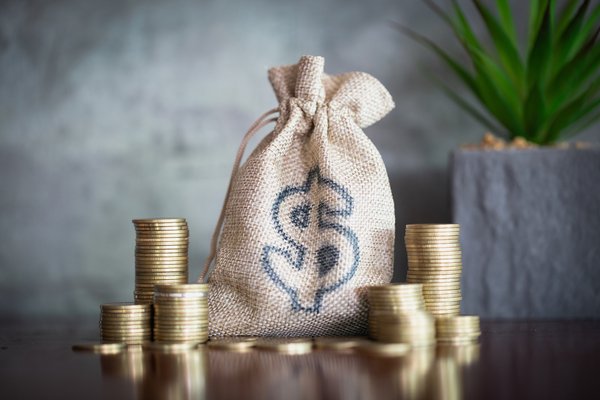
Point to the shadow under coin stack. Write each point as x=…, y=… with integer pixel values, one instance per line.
x=181, y=313
x=161, y=255
x=462, y=329
x=126, y=322
x=397, y=315
x=434, y=260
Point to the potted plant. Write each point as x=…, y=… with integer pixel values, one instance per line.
x=529, y=210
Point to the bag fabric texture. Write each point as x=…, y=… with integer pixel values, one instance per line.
x=309, y=220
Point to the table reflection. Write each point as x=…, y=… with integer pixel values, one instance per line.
x=422, y=373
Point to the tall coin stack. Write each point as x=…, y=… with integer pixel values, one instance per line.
x=462, y=329
x=126, y=322
x=161, y=255
x=396, y=315
x=181, y=313
x=434, y=260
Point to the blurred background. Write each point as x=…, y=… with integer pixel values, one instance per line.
x=112, y=110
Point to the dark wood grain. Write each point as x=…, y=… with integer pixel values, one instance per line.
x=514, y=360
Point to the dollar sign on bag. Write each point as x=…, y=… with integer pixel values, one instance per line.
x=307, y=272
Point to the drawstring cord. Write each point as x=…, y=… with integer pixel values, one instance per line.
x=261, y=122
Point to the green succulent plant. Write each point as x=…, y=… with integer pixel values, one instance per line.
x=544, y=87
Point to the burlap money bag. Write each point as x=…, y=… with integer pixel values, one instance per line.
x=308, y=220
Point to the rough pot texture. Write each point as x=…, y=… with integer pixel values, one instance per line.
x=530, y=231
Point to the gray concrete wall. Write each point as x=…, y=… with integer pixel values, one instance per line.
x=111, y=110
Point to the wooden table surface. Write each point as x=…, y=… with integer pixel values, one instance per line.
x=514, y=360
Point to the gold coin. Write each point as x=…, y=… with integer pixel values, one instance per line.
x=440, y=275
x=181, y=319
x=100, y=348
x=435, y=279
x=238, y=344
x=458, y=340
x=338, y=343
x=161, y=253
x=181, y=237
x=291, y=346
x=433, y=256
x=161, y=280
x=124, y=307
x=158, y=220
x=177, y=239
x=438, y=247
x=180, y=233
x=148, y=228
x=383, y=349
x=161, y=245
x=413, y=298
x=162, y=261
x=395, y=303
x=190, y=287
x=127, y=338
x=181, y=262
x=180, y=304
x=431, y=243
x=432, y=227
x=438, y=262
x=442, y=294
x=200, y=338
x=431, y=237
x=400, y=286
x=459, y=321
x=150, y=283
x=173, y=278
x=125, y=322
x=433, y=252
x=160, y=272
x=172, y=331
x=126, y=334
x=434, y=271
x=181, y=299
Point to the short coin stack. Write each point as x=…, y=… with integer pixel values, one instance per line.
x=397, y=315
x=462, y=329
x=161, y=255
x=181, y=313
x=126, y=322
x=434, y=260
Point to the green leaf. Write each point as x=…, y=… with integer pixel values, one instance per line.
x=506, y=18
x=497, y=92
x=506, y=48
x=589, y=27
x=574, y=74
x=540, y=54
x=574, y=111
x=565, y=16
x=566, y=42
x=464, y=31
x=534, y=113
x=536, y=14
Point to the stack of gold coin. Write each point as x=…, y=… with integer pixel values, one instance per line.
x=393, y=299
x=416, y=328
x=434, y=260
x=181, y=313
x=126, y=322
x=462, y=329
x=161, y=255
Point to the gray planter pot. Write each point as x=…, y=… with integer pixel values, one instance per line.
x=530, y=231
